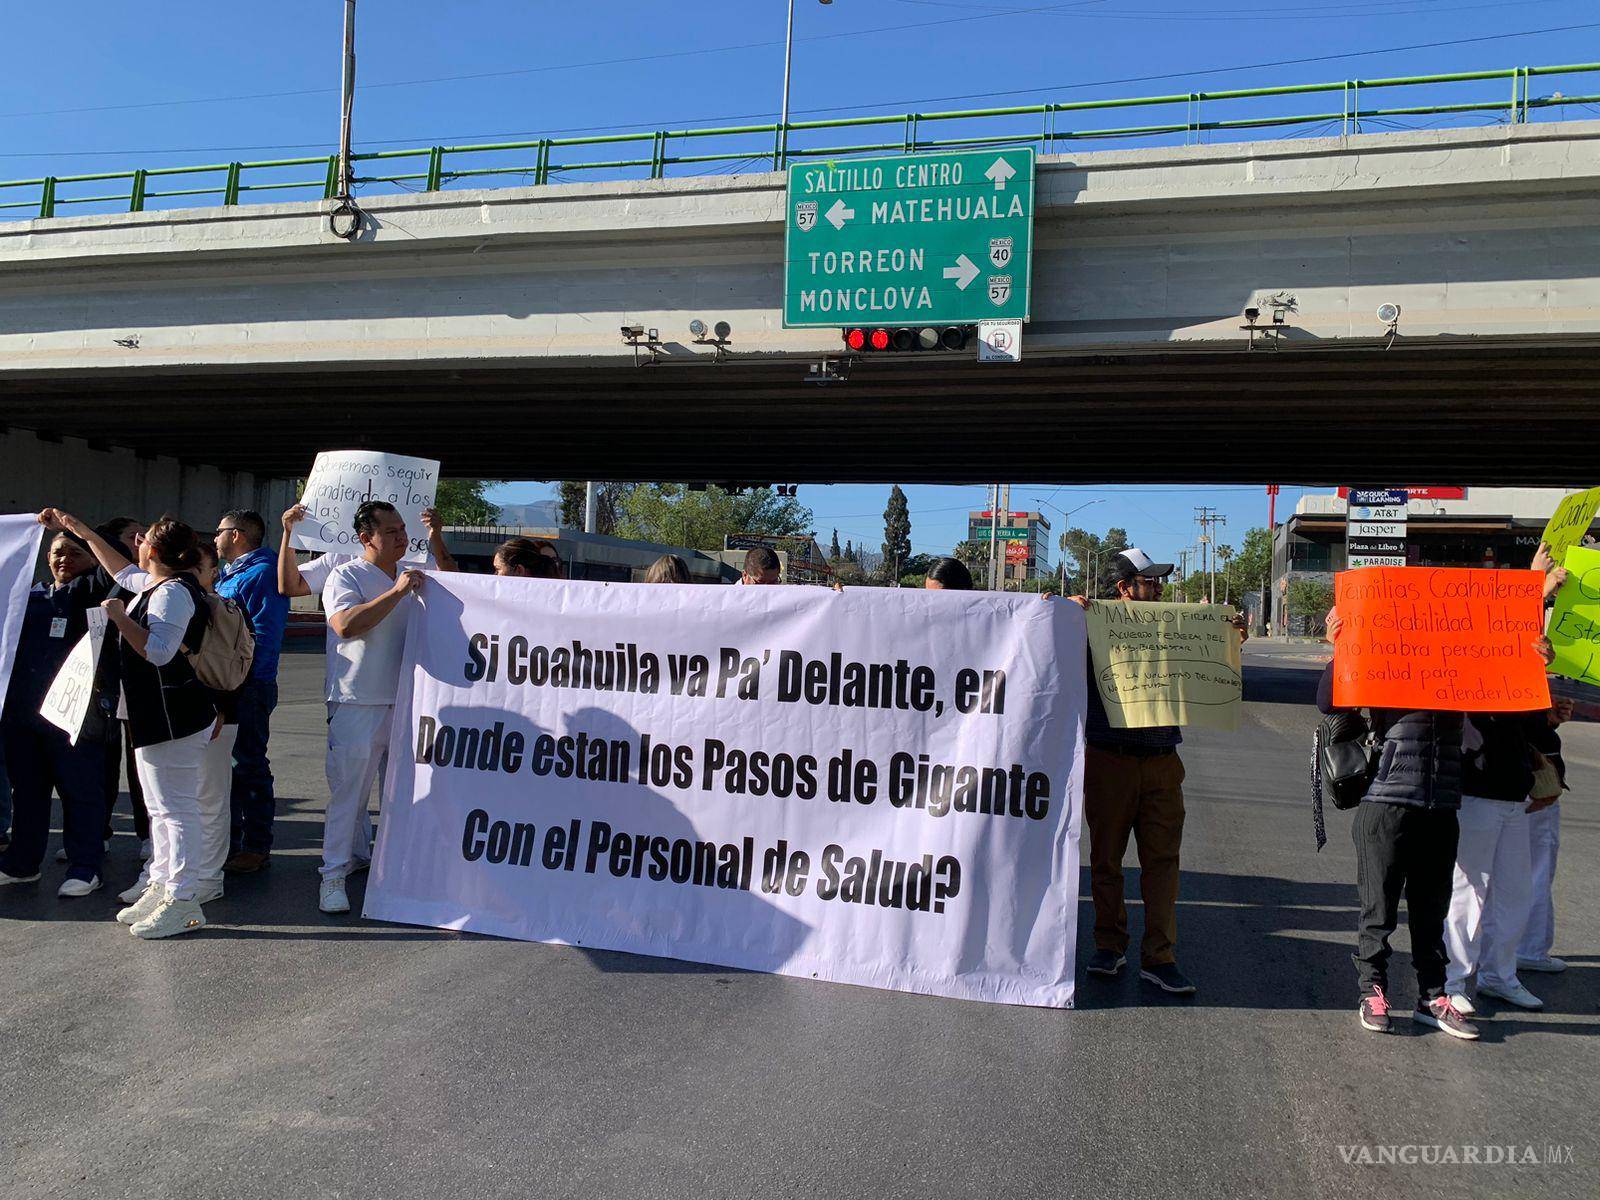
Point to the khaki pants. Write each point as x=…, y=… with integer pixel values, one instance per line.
x=1126, y=794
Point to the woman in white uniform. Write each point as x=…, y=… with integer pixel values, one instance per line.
x=170, y=719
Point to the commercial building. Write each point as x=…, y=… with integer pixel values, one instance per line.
x=1444, y=527
x=1025, y=537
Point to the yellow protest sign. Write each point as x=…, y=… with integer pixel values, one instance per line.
x=1570, y=521
x=1575, y=621
x=1166, y=664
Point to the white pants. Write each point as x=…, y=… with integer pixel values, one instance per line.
x=358, y=749
x=1544, y=842
x=170, y=774
x=1489, y=903
x=216, y=808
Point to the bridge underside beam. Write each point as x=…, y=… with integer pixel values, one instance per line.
x=1475, y=412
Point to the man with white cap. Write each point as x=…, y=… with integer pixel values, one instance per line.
x=1133, y=784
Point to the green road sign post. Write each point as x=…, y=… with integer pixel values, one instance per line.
x=920, y=239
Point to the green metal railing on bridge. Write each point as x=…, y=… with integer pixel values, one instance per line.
x=551, y=161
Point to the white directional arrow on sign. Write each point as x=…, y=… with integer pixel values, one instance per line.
x=1000, y=171
x=839, y=214
x=963, y=272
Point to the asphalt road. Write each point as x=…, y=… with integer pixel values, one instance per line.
x=281, y=1053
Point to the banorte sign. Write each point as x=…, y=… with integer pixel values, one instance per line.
x=1422, y=493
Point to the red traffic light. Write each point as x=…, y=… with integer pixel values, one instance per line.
x=948, y=337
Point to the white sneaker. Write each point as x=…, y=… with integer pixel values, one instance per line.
x=152, y=898
x=172, y=917
x=1461, y=1003
x=1550, y=965
x=207, y=892
x=333, y=899
x=1512, y=994
x=78, y=887
x=5, y=879
x=129, y=895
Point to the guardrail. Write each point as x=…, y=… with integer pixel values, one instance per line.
x=438, y=166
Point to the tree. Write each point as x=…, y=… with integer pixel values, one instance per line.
x=896, y=534
x=608, y=501
x=833, y=547
x=975, y=556
x=1310, y=599
x=463, y=502
x=674, y=514
x=850, y=574
x=573, y=497
x=1238, y=572
x=918, y=564
x=1251, y=568
x=1091, y=572
x=849, y=551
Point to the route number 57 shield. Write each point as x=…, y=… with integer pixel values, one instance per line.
x=1000, y=252
x=805, y=215
x=999, y=289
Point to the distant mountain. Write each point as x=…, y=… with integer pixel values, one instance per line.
x=545, y=514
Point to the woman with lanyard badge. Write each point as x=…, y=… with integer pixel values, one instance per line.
x=171, y=719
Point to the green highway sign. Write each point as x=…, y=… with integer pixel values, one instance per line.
x=921, y=239
x=1007, y=533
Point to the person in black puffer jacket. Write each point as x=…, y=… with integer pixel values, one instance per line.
x=1405, y=836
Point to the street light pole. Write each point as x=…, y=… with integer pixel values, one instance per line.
x=1066, y=515
x=780, y=154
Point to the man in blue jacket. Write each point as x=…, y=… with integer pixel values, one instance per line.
x=250, y=579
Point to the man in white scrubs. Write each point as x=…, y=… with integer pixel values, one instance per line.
x=368, y=601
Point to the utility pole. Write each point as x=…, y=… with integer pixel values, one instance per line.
x=994, y=534
x=591, y=506
x=1208, y=519
x=347, y=98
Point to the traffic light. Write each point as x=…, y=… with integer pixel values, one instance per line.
x=907, y=338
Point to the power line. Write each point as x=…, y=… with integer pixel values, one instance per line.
x=988, y=15
x=547, y=68
x=818, y=111
x=1230, y=14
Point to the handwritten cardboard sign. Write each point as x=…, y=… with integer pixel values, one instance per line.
x=1446, y=638
x=1570, y=521
x=1166, y=664
x=66, y=704
x=341, y=480
x=1575, y=620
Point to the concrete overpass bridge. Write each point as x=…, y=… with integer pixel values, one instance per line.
x=205, y=352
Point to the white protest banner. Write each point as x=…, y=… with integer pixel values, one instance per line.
x=1161, y=663
x=877, y=787
x=19, y=556
x=341, y=480
x=66, y=704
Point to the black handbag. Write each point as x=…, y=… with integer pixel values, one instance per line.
x=1342, y=765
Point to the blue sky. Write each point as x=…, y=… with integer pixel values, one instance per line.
x=102, y=86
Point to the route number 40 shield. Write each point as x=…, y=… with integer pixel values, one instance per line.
x=1000, y=252
x=999, y=289
x=805, y=215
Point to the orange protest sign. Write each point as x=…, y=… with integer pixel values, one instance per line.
x=1444, y=638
